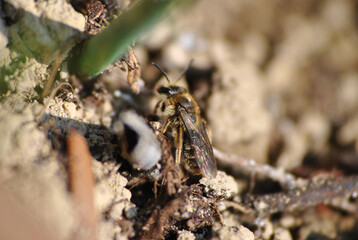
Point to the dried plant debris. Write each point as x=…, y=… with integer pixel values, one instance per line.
x=130, y=65
x=331, y=191
x=189, y=210
x=94, y=10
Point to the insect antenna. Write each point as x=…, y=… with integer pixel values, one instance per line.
x=165, y=75
x=184, y=72
x=180, y=77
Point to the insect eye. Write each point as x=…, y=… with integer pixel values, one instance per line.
x=175, y=89
x=164, y=90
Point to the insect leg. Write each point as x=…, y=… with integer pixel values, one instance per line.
x=179, y=144
x=167, y=124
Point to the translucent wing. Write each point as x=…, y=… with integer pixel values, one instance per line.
x=201, y=145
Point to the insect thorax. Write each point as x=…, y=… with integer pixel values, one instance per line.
x=169, y=106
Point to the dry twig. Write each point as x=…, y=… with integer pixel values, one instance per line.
x=287, y=180
x=237, y=206
x=81, y=181
x=319, y=190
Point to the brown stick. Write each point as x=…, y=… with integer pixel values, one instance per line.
x=332, y=191
x=81, y=182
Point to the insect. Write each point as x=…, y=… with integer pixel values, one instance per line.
x=181, y=114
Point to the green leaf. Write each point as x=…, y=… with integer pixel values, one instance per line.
x=97, y=53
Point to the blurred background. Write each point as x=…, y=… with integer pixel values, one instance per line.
x=276, y=80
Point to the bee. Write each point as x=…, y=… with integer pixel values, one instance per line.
x=181, y=114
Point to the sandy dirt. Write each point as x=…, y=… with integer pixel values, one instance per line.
x=276, y=82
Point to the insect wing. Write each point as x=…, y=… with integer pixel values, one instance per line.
x=201, y=145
